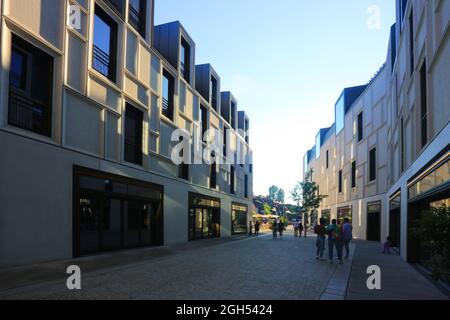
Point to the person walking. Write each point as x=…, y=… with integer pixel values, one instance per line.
x=257, y=228
x=300, y=229
x=281, y=228
x=274, y=229
x=347, y=236
x=320, y=230
x=296, y=225
x=334, y=241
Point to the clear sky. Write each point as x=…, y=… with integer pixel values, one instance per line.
x=286, y=61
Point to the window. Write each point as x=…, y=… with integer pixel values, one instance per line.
x=105, y=44
x=402, y=145
x=133, y=135
x=247, y=131
x=137, y=15
x=340, y=181
x=424, y=107
x=214, y=93
x=233, y=115
x=167, y=95
x=373, y=165
x=327, y=161
x=213, y=177
x=225, y=141
x=246, y=187
x=204, y=120
x=360, y=127
x=232, y=180
x=116, y=5
x=340, y=113
x=411, y=42
x=185, y=59
x=30, y=88
x=354, y=174
x=183, y=168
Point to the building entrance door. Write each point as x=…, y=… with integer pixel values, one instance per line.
x=374, y=222
x=204, y=218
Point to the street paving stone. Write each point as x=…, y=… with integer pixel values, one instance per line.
x=257, y=269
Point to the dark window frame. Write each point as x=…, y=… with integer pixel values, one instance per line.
x=423, y=105
x=109, y=61
x=360, y=126
x=25, y=109
x=133, y=141
x=340, y=180
x=232, y=180
x=213, y=177
x=214, y=92
x=373, y=164
x=138, y=19
x=327, y=159
x=168, y=104
x=203, y=121
x=354, y=174
x=246, y=186
x=185, y=61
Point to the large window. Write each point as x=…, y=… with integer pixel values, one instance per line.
x=327, y=160
x=213, y=176
x=30, y=88
x=246, y=187
x=214, y=93
x=133, y=135
x=360, y=127
x=232, y=180
x=112, y=213
x=105, y=44
x=424, y=105
x=340, y=181
x=137, y=15
x=204, y=120
x=239, y=218
x=373, y=164
x=185, y=56
x=117, y=5
x=340, y=114
x=411, y=42
x=233, y=115
x=354, y=174
x=168, y=95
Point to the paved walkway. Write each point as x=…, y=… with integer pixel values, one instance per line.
x=256, y=268
x=224, y=269
x=399, y=280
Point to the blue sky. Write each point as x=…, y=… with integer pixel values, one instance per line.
x=286, y=62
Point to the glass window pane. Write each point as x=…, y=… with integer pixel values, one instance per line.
x=131, y=224
x=89, y=215
x=18, y=69
x=112, y=225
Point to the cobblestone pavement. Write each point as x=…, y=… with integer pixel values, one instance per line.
x=257, y=268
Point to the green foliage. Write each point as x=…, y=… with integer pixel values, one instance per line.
x=280, y=196
x=273, y=193
x=267, y=209
x=306, y=195
x=432, y=231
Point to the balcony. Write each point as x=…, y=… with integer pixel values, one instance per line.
x=28, y=113
x=103, y=63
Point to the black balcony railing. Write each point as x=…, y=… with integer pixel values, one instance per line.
x=137, y=20
x=165, y=105
x=28, y=113
x=116, y=4
x=103, y=63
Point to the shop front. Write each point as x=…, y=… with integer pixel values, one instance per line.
x=239, y=218
x=204, y=217
x=427, y=190
x=345, y=213
x=113, y=212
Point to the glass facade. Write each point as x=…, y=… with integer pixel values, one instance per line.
x=110, y=214
x=239, y=218
x=204, y=217
x=340, y=113
x=437, y=177
x=344, y=212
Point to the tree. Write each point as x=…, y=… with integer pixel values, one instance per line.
x=306, y=196
x=280, y=196
x=273, y=193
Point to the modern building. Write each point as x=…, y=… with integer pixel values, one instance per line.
x=387, y=156
x=90, y=94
